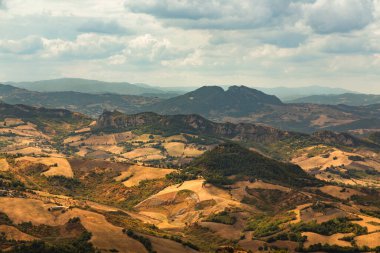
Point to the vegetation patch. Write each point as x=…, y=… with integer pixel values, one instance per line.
x=205, y=204
x=223, y=217
x=79, y=245
x=263, y=225
x=373, y=213
x=230, y=159
x=144, y=241
x=334, y=226
x=203, y=239
x=9, y=182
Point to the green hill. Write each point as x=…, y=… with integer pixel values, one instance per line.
x=229, y=162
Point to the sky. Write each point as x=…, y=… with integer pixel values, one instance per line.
x=262, y=43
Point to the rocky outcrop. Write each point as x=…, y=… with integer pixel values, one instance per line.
x=343, y=139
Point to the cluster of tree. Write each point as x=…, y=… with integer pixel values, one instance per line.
x=222, y=217
x=334, y=226
x=39, y=231
x=179, y=240
x=145, y=241
x=371, y=197
x=9, y=182
x=180, y=177
x=79, y=245
x=373, y=213
x=356, y=158
x=319, y=247
x=290, y=236
x=68, y=183
x=228, y=159
x=265, y=225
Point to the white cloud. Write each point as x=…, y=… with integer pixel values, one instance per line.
x=102, y=27
x=26, y=46
x=117, y=59
x=193, y=42
x=193, y=59
x=86, y=46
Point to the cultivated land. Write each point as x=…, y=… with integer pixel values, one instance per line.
x=136, y=173
x=181, y=188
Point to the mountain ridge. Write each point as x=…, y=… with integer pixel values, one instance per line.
x=244, y=104
x=214, y=100
x=195, y=124
x=351, y=99
x=87, y=86
x=90, y=104
x=288, y=94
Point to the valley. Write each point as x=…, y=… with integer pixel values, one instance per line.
x=181, y=183
x=237, y=104
x=188, y=126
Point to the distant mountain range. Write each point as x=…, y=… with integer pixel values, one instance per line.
x=90, y=104
x=92, y=87
x=235, y=104
x=243, y=104
x=125, y=88
x=347, y=99
x=287, y=94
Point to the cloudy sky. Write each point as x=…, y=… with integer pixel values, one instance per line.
x=194, y=42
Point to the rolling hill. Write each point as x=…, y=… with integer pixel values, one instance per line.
x=195, y=124
x=90, y=86
x=191, y=124
x=180, y=183
x=352, y=99
x=237, y=104
x=243, y=104
x=54, y=121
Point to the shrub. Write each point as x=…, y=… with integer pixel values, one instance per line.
x=145, y=241
x=223, y=217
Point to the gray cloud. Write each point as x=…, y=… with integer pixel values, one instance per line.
x=331, y=16
x=177, y=9
x=27, y=46
x=285, y=39
x=2, y=5
x=102, y=27
x=323, y=16
x=347, y=44
x=218, y=14
x=43, y=25
x=268, y=42
x=279, y=38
